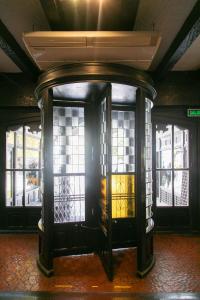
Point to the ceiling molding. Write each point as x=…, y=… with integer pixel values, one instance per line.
x=12, y=49
x=189, y=31
x=68, y=16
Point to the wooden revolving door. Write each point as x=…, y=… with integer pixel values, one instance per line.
x=90, y=165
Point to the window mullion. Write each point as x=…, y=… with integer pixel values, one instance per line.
x=14, y=166
x=24, y=178
x=172, y=165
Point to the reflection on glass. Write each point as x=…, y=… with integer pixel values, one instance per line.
x=163, y=146
x=10, y=149
x=181, y=149
x=69, y=199
x=32, y=148
x=19, y=188
x=123, y=196
x=19, y=148
x=181, y=188
x=9, y=188
x=32, y=193
x=164, y=188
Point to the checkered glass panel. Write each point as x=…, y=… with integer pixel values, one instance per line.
x=69, y=140
x=123, y=141
x=69, y=164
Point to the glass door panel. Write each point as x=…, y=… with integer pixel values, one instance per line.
x=69, y=164
x=123, y=164
x=105, y=177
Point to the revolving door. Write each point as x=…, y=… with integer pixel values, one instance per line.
x=96, y=163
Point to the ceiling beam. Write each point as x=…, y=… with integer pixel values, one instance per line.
x=189, y=31
x=12, y=49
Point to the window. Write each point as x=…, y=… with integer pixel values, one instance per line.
x=172, y=165
x=23, y=166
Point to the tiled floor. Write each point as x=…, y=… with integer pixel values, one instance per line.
x=177, y=268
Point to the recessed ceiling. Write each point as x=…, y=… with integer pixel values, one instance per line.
x=165, y=16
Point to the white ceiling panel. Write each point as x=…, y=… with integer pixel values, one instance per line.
x=191, y=59
x=6, y=64
x=164, y=16
x=22, y=16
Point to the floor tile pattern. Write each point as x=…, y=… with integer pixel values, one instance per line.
x=177, y=268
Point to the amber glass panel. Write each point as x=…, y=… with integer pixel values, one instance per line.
x=123, y=196
x=103, y=200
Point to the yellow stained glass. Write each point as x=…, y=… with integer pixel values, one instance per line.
x=103, y=199
x=123, y=196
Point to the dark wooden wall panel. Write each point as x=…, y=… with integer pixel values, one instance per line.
x=178, y=88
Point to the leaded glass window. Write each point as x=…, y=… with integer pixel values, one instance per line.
x=172, y=165
x=148, y=165
x=23, y=166
x=123, y=164
x=69, y=164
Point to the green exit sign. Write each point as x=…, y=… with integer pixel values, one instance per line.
x=193, y=112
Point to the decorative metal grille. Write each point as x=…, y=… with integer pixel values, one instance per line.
x=69, y=164
x=123, y=141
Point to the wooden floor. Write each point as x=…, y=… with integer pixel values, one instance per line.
x=177, y=269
